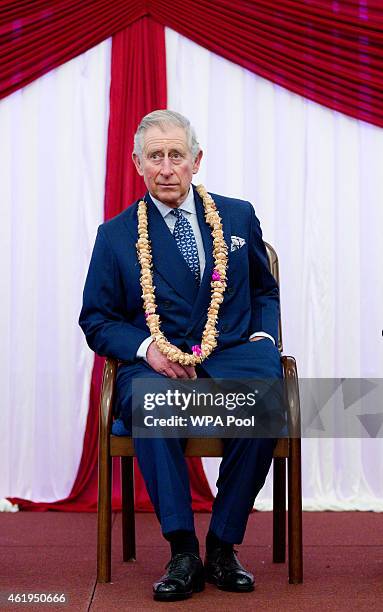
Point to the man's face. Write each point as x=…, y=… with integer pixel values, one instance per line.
x=167, y=164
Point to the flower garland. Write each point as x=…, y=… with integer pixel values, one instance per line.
x=218, y=285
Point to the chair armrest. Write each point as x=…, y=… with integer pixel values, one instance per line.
x=107, y=395
x=290, y=377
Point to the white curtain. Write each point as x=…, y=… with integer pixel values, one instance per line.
x=315, y=178
x=53, y=137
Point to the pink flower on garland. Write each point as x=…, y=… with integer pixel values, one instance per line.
x=197, y=350
x=148, y=313
x=216, y=275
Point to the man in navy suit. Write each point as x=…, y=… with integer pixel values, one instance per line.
x=167, y=154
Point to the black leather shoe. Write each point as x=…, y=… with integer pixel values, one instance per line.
x=185, y=576
x=223, y=569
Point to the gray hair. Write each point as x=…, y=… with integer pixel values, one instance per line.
x=161, y=119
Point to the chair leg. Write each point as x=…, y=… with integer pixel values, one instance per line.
x=104, y=518
x=279, y=510
x=128, y=522
x=295, y=512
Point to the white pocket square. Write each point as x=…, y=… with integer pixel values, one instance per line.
x=237, y=243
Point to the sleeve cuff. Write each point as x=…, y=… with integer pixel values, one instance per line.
x=262, y=334
x=142, y=349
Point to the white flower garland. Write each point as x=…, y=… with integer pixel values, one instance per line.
x=218, y=285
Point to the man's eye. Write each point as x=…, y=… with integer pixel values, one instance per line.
x=176, y=155
x=155, y=156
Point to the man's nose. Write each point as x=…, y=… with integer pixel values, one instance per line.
x=166, y=167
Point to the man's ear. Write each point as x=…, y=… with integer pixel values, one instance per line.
x=197, y=162
x=137, y=163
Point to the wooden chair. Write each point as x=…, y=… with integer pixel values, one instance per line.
x=286, y=448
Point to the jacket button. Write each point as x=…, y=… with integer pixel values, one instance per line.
x=166, y=304
x=230, y=290
x=225, y=328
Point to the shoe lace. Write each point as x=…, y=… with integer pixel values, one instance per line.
x=228, y=558
x=176, y=566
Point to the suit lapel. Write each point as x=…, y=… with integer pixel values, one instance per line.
x=203, y=298
x=167, y=259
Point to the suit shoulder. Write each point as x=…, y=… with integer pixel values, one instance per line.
x=128, y=215
x=232, y=204
x=118, y=224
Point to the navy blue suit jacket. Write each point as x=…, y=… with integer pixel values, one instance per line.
x=112, y=316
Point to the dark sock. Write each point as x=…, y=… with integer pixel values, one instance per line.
x=182, y=541
x=213, y=542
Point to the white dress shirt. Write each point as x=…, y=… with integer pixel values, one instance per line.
x=189, y=211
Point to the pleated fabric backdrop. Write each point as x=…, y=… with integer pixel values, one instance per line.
x=314, y=176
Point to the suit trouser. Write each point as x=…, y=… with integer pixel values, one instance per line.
x=242, y=473
x=244, y=467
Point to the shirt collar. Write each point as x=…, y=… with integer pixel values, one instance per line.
x=188, y=205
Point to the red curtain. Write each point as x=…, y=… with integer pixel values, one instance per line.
x=138, y=86
x=328, y=51
x=39, y=35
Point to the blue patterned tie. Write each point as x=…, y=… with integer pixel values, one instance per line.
x=184, y=236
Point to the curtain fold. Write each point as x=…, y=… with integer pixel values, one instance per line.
x=328, y=52
x=138, y=86
x=36, y=37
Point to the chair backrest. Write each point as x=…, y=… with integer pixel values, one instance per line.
x=274, y=269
